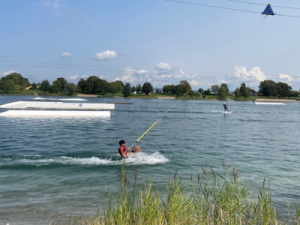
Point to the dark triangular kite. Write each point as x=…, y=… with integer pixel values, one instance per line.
x=268, y=11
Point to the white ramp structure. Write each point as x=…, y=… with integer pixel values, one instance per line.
x=64, y=99
x=52, y=113
x=56, y=105
x=269, y=103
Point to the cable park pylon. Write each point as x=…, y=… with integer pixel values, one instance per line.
x=268, y=11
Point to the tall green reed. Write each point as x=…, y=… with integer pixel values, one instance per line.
x=213, y=198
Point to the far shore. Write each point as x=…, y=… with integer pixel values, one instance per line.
x=87, y=96
x=158, y=96
x=165, y=97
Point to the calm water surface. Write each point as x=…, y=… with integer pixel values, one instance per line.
x=53, y=169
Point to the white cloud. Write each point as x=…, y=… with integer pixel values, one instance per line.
x=165, y=76
x=54, y=4
x=163, y=66
x=251, y=77
x=105, y=55
x=65, y=55
x=129, y=75
x=9, y=72
x=77, y=77
x=285, y=78
x=194, y=83
x=141, y=72
x=254, y=74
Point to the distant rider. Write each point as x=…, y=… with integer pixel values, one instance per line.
x=123, y=151
x=225, y=107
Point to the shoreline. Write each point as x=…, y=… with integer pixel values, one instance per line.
x=152, y=97
x=87, y=95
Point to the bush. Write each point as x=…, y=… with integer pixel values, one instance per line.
x=197, y=94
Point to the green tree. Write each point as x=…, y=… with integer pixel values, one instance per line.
x=33, y=86
x=17, y=79
x=113, y=87
x=59, y=85
x=215, y=88
x=176, y=90
x=45, y=85
x=200, y=91
x=157, y=91
x=62, y=83
x=81, y=85
x=173, y=89
x=266, y=87
x=244, y=91
x=139, y=88
x=100, y=85
x=223, y=92
x=120, y=85
x=18, y=87
x=252, y=90
x=9, y=85
x=191, y=93
x=282, y=89
x=207, y=92
x=167, y=89
x=2, y=84
x=90, y=84
x=71, y=88
x=133, y=89
x=237, y=93
x=147, y=88
x=127, y=90
x=226, y=87
x=185, y=86
x=55, y=88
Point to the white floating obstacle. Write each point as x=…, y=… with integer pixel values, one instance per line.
x=50, y=113
x=64, y=99
x=269, y=103
x=56, y=105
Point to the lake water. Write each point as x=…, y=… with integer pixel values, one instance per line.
x=52, y=169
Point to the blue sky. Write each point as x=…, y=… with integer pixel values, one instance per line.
x=149, y=40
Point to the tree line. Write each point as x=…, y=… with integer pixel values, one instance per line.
x=96, y=85
x=13, y=81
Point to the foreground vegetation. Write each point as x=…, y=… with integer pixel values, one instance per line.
x=211, y=198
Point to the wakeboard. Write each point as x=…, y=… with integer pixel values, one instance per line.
x=158, y=152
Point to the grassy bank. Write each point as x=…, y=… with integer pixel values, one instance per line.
x=142, y=96
x=29, y=92
x=34, y=92
x=208, y=198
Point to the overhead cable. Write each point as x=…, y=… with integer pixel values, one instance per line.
x=200, y=73
x=260, y=4
x=221, y=7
